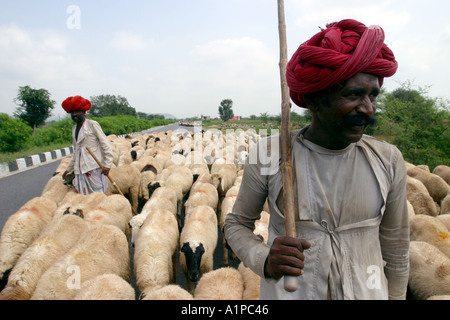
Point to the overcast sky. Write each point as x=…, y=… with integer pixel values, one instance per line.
x=184, y=57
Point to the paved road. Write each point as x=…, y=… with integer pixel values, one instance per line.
x=18, y=188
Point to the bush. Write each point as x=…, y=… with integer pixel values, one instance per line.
x=14, y=134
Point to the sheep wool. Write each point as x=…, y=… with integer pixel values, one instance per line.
x=101, y=249
x=169, y=292
x=220, y=284
x=251, y=283
x=445, y=219
x=431, y=230
x=128, y=179
x=22, y=228
x=444, y=172
x=106, y=287
x=429, y=270
x=435, y=185
x=55, y=240
x=155, y=252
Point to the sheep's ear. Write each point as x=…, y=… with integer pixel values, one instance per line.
x=186, y=248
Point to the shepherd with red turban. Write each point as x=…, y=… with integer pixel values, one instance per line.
x=351, y=209
x=89, y=177
x=336, y=54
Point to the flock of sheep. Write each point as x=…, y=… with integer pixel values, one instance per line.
x=178, y=188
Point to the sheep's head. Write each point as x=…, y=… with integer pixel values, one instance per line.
x=135, y=224
x=152, y=186
x=193, y=252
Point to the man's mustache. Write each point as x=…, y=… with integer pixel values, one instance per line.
x=358, y=120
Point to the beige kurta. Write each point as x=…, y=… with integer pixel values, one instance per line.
x=351, y=208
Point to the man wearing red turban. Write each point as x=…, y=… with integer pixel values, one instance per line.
x=352, y=220
x=89, y=177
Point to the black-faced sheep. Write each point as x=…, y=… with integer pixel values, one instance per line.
x=220, y=284
x=106, y=287
x=429, y=273
x=155, y=252
x=21, y=229
x=198, y=240
x=431, y=230
x=102, y=249
x=55, y=240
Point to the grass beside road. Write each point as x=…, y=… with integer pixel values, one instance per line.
x=7, y=157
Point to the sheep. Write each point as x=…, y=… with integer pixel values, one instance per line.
x=444, y=172
x=431, y=230
x=251, y=283
x=55, y=240
x=114, y=210
x=221, y=284
x=429, y=273
x=106, y=287
x=21, y=229
x=155, y=251
x=422, y=204
x=445, y=219
x=128, y=179
x=445, y=205
x=55, y=189
x=198, y=240
x=226, y=208
x=161, y=198
x=169, y=292
x=223, y=175
x=262, y=226
x=202, y=193
x=411, y=211
x=435, y=185
x=75, y=202
x=101, y=249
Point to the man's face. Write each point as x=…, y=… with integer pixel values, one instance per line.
x=78, y=116
x=349, y=111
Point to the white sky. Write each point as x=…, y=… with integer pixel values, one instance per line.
x=184, y=57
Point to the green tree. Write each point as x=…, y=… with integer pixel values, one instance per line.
x=14, y=133
x=35, y=106
x=110, y=105
x=416, y=124
x=226, y=110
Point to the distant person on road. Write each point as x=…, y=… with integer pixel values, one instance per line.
x=89, y=177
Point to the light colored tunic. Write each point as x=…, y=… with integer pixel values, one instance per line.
x=351, y=208
x=88, y=175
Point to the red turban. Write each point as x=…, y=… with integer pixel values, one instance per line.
x=336, y=54
x=76, y=103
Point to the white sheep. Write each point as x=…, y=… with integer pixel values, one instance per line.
x=443, y=171
x=102, y=249
x=161, y=198
x=445, y=220
x=445, y=205
x=128, y=179
x=155, y=251
x=429, y=273
x=75, y=202
x=55, y=189
x=225, y=209
x=21, y=229
x=251, y=283
x=223, y=175
x=435, y=185
x=202, y=193
x=106, y=287
x=262, y=226
x=55, y=240
x=221, y=284
x=431, y=230
x=423, y=204
x=198, y=240
x=169, y=292
x=113, y=210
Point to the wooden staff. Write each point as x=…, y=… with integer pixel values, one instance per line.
x=98, y=162
x=290, y=282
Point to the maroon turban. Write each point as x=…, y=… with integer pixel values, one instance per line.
x=336, y=54
x=76, y=103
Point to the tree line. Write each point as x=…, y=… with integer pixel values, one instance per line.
x=406, y=117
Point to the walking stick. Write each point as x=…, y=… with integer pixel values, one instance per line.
x=290, y=282
x=98, y=162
